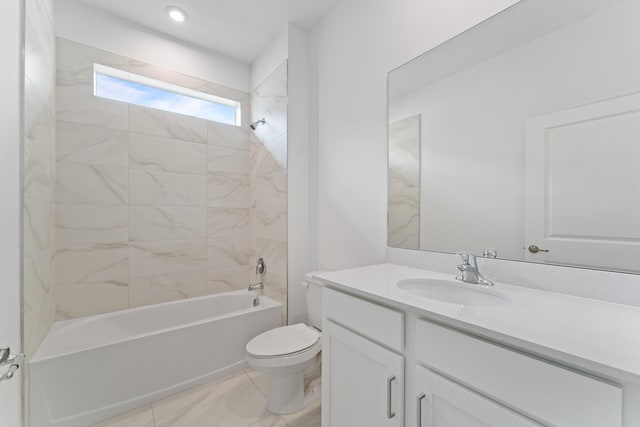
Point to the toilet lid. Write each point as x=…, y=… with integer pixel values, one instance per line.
x=282, y=341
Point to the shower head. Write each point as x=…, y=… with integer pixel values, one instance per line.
x=255, y=124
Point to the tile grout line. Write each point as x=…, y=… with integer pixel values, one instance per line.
x=277, y=417
x=253, y=382
x=153, y=415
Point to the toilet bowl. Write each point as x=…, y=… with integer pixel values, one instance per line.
x=286, y=353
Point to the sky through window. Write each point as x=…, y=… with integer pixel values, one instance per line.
x=119, y=89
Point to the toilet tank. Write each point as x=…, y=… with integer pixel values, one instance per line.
x=314, y=300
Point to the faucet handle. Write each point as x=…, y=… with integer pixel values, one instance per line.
x=465, y=257
x=490, y=253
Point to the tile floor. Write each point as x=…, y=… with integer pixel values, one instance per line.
x=235, y=401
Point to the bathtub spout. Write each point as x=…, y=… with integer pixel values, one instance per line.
x=256, y=286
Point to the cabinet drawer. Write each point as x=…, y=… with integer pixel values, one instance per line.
x=379, y=323
x=541, y=390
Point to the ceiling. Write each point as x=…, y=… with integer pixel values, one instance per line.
x=240, y=29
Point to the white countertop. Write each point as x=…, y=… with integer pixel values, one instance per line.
x=597, y=336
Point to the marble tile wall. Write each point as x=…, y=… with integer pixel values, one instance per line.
x=268, y=156
x=151, y=206
x=39, y=171
x=404, y=183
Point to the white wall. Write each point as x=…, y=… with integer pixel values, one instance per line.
x=82, y=24
x=355, y=47
x=276, y=52
x=298, y=171
x=11, y=78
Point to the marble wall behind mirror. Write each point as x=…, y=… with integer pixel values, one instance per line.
x=404, y=183
x=529, y=135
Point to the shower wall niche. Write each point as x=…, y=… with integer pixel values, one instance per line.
x=153, y=206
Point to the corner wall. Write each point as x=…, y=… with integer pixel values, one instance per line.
x=269, y=185
x=300, y=174
x=38, y=173
x=354, y=51
x=290, y=46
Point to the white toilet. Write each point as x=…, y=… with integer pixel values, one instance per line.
x=285, y=353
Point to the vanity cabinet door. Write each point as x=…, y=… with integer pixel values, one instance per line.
x=362, y=382
x=443, y=403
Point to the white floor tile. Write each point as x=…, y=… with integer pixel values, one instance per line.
x=238, y=400
x=307, y=417
x=232, y=402
x=259, y=379
x=141, y=417
x=270, y=422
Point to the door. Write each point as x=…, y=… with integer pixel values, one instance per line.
x=582, y=200
x=10, y=205
x=443, y=403
x=362, y=382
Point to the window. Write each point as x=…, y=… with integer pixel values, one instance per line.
x=119, y=85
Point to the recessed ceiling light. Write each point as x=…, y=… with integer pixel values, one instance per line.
x=176, y=13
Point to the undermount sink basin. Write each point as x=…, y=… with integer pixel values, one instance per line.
x=453, y=292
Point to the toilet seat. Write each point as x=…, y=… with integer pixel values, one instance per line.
x=284, y=341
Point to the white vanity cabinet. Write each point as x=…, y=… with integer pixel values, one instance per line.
x=446, y=377
x=363, y=380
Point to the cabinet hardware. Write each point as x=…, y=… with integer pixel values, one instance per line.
x=390, y=413
x=419, y=399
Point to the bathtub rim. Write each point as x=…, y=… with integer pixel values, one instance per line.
x=265, y=302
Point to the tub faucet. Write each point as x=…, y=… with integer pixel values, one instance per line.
x=469, y=272
x=256, y=286
x=261, y=270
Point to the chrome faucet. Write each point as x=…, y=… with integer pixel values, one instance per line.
x=469, y=272
x=253, y=287
x=256, y=286
x=261, y=270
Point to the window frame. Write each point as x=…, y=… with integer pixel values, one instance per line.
x=100, y=69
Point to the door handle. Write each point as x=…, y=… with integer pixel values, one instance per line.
x=534, y=249
x=13, y=360
x=390, y=413
x=419, y=399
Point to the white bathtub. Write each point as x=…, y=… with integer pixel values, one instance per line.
x=92, y=368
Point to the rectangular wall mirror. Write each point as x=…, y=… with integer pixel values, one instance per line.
x=522, y=135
